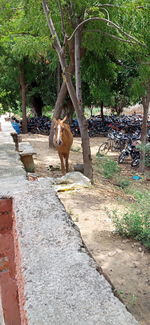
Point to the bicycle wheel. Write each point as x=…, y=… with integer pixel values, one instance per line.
x=104, y=148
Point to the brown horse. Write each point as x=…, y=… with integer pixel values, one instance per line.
x=62, y=140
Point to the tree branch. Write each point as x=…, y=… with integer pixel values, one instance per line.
x=51, y=26
x=117, y=6
x=56, y=41
x=111, y=35
x=146, y=63
x=107, y=5
x=108, y=17
x=110, y=23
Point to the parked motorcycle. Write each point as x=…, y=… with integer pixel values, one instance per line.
x=136, y=161
x=132, y=151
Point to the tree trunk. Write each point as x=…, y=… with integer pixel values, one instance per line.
x=145, y=102
x=37, y=105
x=57, y=111
x=71, y=90
x=77, y=69
x=58, y=78
x=82, y=121
x=83, y=125
x=62, y=93
x=23, y=99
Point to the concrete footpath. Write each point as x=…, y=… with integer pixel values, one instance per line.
x=58, y=282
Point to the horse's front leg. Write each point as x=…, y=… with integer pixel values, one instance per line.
x=62, y=163
x=66, y=163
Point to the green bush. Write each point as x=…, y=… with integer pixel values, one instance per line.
x=136, y=222
x=147, y=156
x=123, y=183
x=146, y=149
x=109, y=166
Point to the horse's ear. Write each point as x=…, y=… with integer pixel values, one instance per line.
x=65, y=118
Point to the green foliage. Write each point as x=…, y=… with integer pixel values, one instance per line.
x=112, y=71
x=92, y=110
x=147, y=155
x=48, y=111
x=109, y=167
x=40, y=80
x=136, y=222
x=146, y=149
x=135, y=225
x=25, y=40
x=98, y=75
x=139, y=83
x=123, y=182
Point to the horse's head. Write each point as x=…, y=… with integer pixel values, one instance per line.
x=59, y=128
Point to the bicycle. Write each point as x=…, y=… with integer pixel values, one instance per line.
x=115, y=142
x=106, y=146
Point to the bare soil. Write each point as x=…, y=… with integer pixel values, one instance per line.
x=125, y=261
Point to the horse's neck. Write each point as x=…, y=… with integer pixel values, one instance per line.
x=66, y=131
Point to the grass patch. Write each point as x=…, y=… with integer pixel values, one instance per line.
x=75, y=149
x=136, y=222
x=123, y=182
x=108, y=166
x=146, y=149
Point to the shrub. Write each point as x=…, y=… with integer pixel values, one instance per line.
x=147, y=156
x=146, y=149
x=136, y=222
x=123, y=183
x=109, y=166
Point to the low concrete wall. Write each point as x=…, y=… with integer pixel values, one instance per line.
x=58, y=282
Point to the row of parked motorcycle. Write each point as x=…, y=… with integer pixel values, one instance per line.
x=96, y=125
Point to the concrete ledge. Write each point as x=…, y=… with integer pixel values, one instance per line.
x=26, y=153
x=25, y=148
x=6, y=127
x=61, y=284
x=10, y=164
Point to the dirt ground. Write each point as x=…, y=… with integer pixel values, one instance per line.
x=126, y=262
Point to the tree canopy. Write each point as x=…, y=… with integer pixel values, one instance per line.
x=115, y=49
